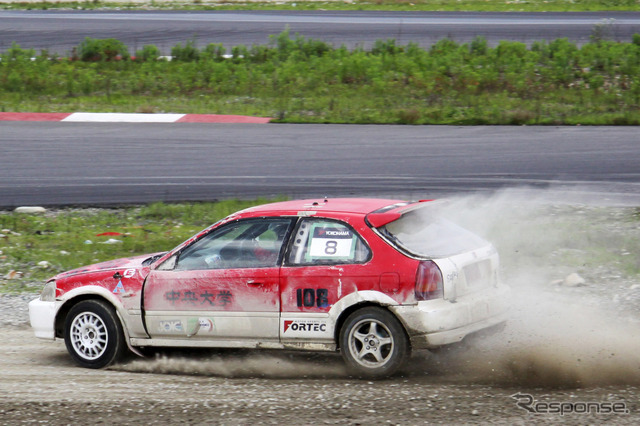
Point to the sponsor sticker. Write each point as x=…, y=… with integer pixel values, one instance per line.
x=129, y=273
x=171, y=326
x=304, y=327
x=206, y=325
x=119, y=288
x=199, y=326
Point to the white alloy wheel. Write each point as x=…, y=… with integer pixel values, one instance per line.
x=93, y=334
x=89, y=335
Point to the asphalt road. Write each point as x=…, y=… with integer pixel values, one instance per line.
x=60, y=31
x=105, y=163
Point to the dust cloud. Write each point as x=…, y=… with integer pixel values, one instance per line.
x=560, y=334
x=240, y=364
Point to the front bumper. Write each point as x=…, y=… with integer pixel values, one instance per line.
x=433, y=323
x=43, y=317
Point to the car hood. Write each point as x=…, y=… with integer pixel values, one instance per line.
x=135, y=262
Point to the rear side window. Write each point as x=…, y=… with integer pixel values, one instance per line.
x=428, y=235
x=321, y=241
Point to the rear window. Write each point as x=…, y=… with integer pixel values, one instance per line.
x=424, y=233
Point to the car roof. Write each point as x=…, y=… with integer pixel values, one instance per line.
x=378, y=211
x=350, y=206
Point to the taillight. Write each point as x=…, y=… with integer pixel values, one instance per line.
x=428, y=281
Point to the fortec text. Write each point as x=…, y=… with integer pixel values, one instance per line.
x=308, y=327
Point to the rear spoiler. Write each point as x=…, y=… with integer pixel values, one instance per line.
x=388, y=214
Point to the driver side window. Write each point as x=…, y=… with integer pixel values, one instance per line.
x=252, y=243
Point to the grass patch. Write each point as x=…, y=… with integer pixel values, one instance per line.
x=38, y=246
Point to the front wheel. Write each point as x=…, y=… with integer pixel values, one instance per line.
x=373, y=342
x=93, y=334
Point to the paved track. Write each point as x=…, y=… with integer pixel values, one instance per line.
x=60, y=31
x=113, y=163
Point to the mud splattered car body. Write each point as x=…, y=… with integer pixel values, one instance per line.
x=372, y=278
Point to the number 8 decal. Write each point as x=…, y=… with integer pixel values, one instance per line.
x=331, y=247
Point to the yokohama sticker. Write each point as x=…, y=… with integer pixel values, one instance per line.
x=304, y=327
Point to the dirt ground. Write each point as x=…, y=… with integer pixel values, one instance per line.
x=39, y=384
x=570, y=346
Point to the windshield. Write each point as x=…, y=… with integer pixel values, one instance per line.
x=425, y=234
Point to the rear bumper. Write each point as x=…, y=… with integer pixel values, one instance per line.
x=440, y=322
x=42, y=316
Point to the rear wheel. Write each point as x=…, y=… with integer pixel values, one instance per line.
x=93, y=334
x=373, y=342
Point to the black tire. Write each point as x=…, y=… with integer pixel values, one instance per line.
x=93, y=334
x=373, y=343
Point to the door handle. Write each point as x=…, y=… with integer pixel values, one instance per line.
x=255, y=283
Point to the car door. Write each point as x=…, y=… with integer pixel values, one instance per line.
x=223, y=286
x=327, y=260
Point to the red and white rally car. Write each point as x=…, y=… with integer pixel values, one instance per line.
x=369, y=277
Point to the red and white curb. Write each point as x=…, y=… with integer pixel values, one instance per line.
x=108, y=117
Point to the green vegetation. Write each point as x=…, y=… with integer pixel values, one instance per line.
x=38, y=246
x=397, y=5
x=294, y=79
